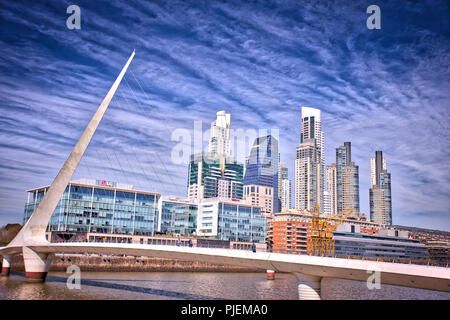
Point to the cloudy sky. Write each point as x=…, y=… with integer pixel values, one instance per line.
x=386, y=89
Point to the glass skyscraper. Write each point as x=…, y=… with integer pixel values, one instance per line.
x=261, y=167
x=214, y=175
x=347, y=180
x=380, y=197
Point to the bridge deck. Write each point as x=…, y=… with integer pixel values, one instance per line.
x=410, y=275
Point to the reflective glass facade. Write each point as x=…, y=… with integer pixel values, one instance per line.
x=241, y=223
x=364, y=245
x=262, y=166
x=216, y=176
x=98, y=209
x=178, y=217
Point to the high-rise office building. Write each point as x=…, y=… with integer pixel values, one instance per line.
x=380, y=196
x=212, y=175
x=219, y=140
x=307, y=175
x=286, y=191
x=309, y=162
x=347, y=180
x=279, y=180
x=285, y=188
x=373, y=170
x=261, y=168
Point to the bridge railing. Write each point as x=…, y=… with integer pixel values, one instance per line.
x=250, y=247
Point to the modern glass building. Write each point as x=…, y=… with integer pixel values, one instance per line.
x=212, y=175
x=347, y=180
x=261, y=167
x=231, y=221
x=177, y=215
x=100, y=207
x=376, y=246
x=380, y=196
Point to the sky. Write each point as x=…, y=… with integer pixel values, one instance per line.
x=261, y=61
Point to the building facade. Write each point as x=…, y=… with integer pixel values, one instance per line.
x=307, y=177
x=177, y=215
x=346, y=181
x=231, y=221
x=261, y=168
x=286, y=194
x=260, y=196
x=309, y=162
x=211, y=175
x=383, y=247
x=380, y=196
x=327, y=206
x=332, y=187
x=219, y=140
x=100, y=207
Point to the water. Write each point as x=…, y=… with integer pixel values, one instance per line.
x=195, y=285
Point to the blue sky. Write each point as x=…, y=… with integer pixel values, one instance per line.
x=261, y=61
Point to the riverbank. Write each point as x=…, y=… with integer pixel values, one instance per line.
x=97, y=263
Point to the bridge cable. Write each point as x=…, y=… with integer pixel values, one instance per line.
x=135, y=154
x=137, y=158
x=163, y=121
x=156, y=152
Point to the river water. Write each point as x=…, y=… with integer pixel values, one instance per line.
x=196, y=286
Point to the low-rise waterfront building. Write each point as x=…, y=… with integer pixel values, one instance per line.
x=387, y=245
x=177, y=215
x=232, y=220
x=100, y=206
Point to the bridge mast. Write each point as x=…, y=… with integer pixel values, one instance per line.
x=33, y=232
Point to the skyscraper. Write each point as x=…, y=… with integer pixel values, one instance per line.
x=380, y=197
x=373, y=170
x=219, y=140
x=309, y=162
x=347, y=179
x=261, y=166
x=213, y=175
x=284, y=192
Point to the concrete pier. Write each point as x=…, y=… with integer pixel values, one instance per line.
x=36, y=264
x=309, y=287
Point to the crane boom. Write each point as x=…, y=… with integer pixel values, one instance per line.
x=320, y=242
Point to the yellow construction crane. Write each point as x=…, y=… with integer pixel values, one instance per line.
x=321, y=242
